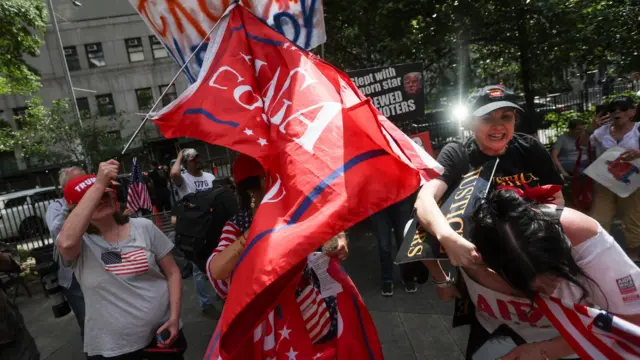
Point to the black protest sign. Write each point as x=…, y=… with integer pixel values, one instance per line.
x=419, y=245
x=397, y=91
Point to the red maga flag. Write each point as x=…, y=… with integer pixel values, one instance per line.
x=331, y=162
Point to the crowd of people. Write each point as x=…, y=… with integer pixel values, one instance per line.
x=121, y=279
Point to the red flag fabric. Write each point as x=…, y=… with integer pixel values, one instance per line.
x=592, y=334
x=329, y=161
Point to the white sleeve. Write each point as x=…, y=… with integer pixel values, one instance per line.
x=616, y=276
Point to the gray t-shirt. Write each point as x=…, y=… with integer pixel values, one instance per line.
x=126, y=303
x=568, y=152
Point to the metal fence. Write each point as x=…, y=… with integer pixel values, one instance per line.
x=23, y=218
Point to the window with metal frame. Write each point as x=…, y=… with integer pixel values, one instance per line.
x=95, y=55
x=135, y=49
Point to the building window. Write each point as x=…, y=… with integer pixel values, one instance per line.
x=17, y=113
x=170, y=95
x=134, y=49
x=106, y=106
x=83, y=106
x=145, y=98
x=157, y=48
x=95, y=56
x=71, y=55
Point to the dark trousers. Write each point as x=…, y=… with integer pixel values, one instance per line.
x=387, y=224
x=152, y=352
x=75, y=298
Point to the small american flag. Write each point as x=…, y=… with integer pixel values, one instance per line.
x=133, y=262
x=138, y=196
x=581, y=328
x=315, y=313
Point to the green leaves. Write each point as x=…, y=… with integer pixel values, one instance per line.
x=52, y=134
x=22, y=24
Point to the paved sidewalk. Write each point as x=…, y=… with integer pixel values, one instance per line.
x=410, y=326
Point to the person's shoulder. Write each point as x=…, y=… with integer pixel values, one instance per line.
x=578, y=227
x=141, y=222
x=453, y=147
x=525, y=139
x=57, y=204
x=208, y=175
x=601, y=131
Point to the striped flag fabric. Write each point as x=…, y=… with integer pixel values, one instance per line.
x=138, y=194
x=593, y=334
x=133, y=262
x=314, y=313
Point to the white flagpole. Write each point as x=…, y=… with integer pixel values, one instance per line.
x=135, y=134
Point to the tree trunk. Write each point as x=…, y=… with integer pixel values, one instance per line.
x=525, y=62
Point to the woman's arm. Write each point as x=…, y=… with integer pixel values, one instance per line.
x=556, y=348
x=555, y=152
x=174, y=279
x=222, y=263
x=460, y=251
x=69, y=241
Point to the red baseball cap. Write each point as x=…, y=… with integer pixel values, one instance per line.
x=77, y=187
x=245, y=166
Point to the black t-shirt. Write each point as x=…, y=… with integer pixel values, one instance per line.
x=525, y=161
x=159, y=177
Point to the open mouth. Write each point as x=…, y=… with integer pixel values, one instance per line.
x=497, y=136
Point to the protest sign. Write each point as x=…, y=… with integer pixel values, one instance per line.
x=182, y=25
x=397, y=91
x=619, y=176
x=419, y=245
x=424, y=140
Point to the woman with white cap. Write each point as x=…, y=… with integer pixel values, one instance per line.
x=131, y=283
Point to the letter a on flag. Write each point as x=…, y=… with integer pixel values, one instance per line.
x=331, y=159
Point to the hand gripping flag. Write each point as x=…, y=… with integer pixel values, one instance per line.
x=331, y=161
x=592, y=334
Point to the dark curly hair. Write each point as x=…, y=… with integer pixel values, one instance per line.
x=520, y=242
x=242, y=189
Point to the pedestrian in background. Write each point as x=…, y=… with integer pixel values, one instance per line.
x=619, y=131
x=132, y=285
x=56, y=215
x=389, y=224
x=159, y=184
x=194, y=180
x=16, y=343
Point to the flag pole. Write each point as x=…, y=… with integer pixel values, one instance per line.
x=144, y=121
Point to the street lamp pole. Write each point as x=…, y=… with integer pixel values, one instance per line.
x=65, y=68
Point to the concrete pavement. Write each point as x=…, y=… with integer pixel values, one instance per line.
x=410, y=326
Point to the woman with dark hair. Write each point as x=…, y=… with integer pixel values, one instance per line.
x=530, y=248
x=327, y=324
x=131, y=283
x=523, y=161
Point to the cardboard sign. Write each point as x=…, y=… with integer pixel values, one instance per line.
x=621, y=177
x=419, y=245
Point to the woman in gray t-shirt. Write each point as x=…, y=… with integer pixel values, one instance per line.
x=131, y=283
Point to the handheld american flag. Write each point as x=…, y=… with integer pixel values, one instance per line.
x=331, y=160
x=593, y=334
x=138, y=194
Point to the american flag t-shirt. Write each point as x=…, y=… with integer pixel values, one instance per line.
x=138, y=194
x=130, y=263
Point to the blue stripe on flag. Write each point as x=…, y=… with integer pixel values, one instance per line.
x=208, y=115
x=315, y=193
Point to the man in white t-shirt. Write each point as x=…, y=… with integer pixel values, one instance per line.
x=194, y=179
